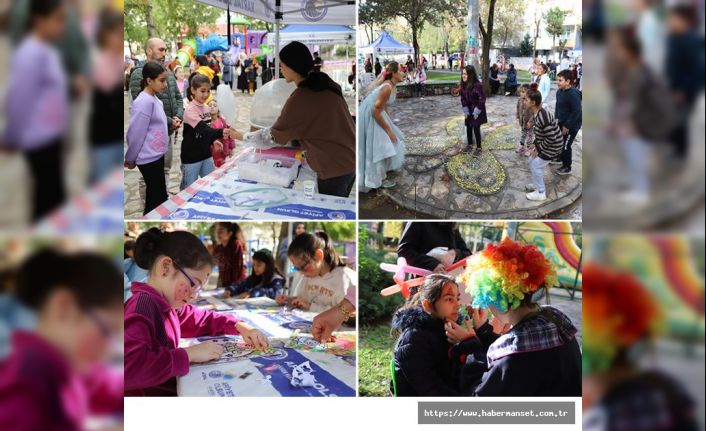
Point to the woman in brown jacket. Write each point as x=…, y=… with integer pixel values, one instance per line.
x=317, y=116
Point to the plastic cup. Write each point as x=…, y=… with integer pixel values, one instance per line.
x=309, y=188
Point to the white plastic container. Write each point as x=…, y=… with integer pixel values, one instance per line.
x=268, y=169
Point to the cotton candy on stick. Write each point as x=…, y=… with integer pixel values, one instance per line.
x=226, y=102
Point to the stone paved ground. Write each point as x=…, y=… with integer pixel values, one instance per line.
x=425, y=188
x=133, y=203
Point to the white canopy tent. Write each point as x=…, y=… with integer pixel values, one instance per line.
x=385, y=44
x=317, y=34
x=279, y=12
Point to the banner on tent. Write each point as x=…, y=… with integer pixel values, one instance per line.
x=294, y=11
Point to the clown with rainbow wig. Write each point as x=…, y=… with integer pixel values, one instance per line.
x=538, y=353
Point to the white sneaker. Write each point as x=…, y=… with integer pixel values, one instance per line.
x=530, y=187
x=536, y=196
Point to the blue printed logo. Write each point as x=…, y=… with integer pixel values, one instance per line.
x=314, y=10
x=215, y=374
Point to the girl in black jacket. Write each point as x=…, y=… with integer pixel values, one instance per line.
x=421, y=358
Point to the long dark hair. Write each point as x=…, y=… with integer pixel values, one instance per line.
x=93, y=279
x=306, y=244
x=472, y=77
x=264, y=256
x=151, y=70
x=233, y=228
x=184, y=248
x=430, y=290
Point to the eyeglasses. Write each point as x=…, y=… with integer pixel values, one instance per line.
x=303, y=266
x=195, y=287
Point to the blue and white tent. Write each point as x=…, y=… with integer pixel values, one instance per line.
x=386, y=45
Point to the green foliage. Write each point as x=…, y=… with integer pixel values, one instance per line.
x=343, y=231
x=417, y=14
x=170, y=17
x=343, y=51
x=508, y=21
x=526, y=46
x=371, y=279
x=374, y=355
x=555, y=22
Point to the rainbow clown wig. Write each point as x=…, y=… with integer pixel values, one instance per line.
x=618, y=313
x=502, y=275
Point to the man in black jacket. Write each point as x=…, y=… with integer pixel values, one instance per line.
x=568, y=114
x=419, y=238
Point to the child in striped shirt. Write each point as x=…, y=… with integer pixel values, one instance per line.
x=546, y=146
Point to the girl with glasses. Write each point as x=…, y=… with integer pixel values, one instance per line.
x=160, y=312
x=325, y=277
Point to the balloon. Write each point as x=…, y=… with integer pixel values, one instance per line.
x=402, y=268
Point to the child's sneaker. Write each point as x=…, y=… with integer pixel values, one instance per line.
x=536, y=196
x=563, y=171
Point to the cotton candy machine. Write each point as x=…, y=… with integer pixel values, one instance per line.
x=268, y=102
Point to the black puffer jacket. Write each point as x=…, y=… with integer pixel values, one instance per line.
x=422, y=365
x=419, y=238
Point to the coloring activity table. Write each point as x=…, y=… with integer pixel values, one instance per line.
x=244, y=371
x=222, y=195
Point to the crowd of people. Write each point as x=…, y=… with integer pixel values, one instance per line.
x=655, y=66
x=175, y=265
x=168, y=97
x=546, y=136
x=79, y=55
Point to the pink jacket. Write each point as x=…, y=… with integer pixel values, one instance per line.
x=152, y=332
x=39, y=390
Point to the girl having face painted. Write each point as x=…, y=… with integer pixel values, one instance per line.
x=160, y=312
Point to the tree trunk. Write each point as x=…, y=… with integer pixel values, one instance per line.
x=536, y=37
x=415, y=42
x=151, y=29
x=487, y=42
